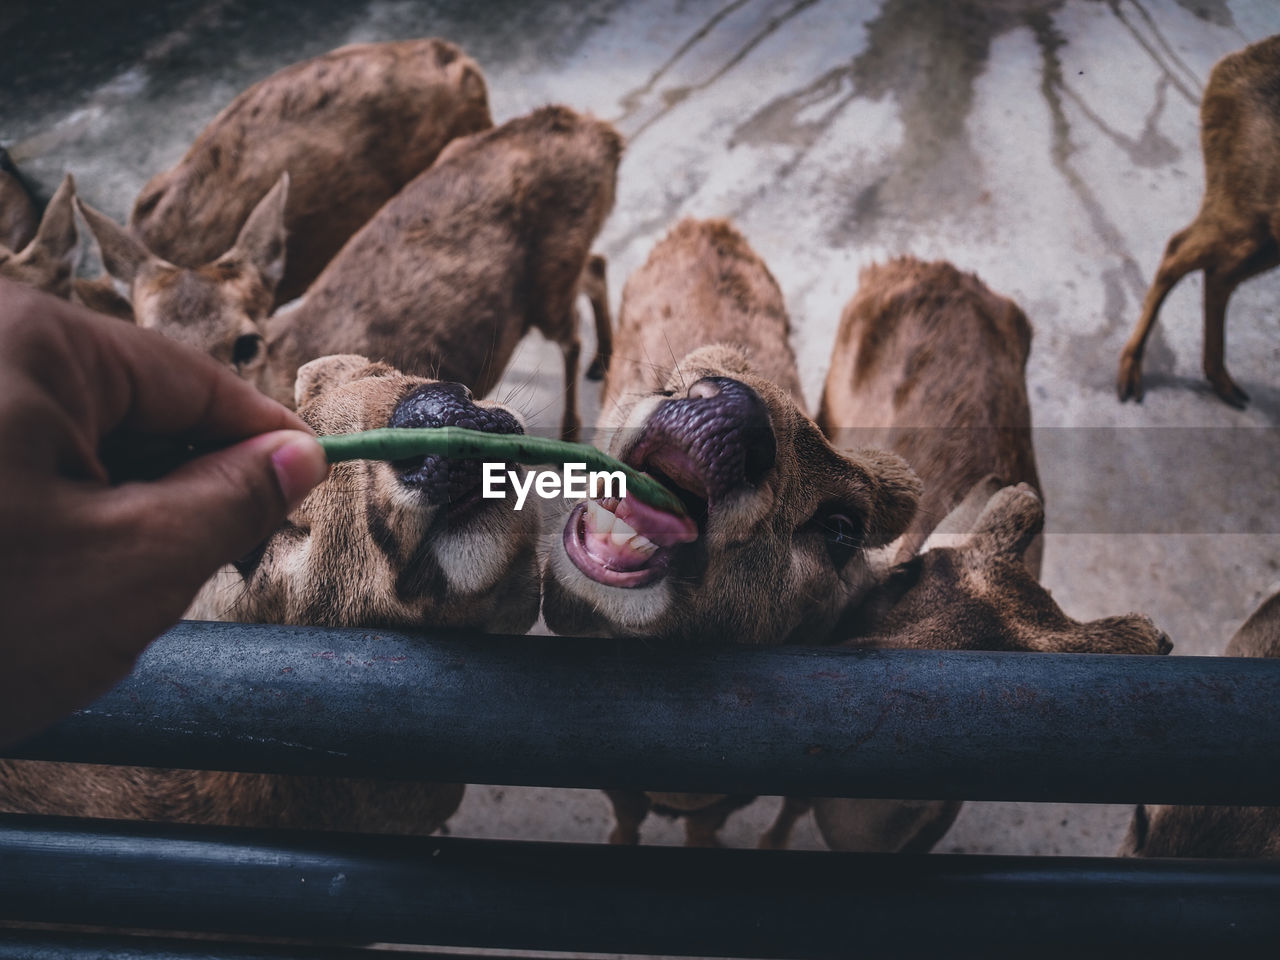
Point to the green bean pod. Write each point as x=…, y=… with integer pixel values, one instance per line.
x=401, y=443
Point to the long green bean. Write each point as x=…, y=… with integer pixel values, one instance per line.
x=401, y=443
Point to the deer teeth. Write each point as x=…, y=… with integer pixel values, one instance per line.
x=642, y=544
x=622, y=531
x=599, y=520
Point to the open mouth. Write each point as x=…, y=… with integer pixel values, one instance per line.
x=706, y=447
x=627, y=543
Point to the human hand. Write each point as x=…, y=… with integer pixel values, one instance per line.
x=91, y=571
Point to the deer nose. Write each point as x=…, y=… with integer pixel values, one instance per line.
x=441, y=479
x=714, y=440
x=731, y=403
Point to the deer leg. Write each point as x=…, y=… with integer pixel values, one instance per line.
x=1217, y=291
x=569, y=423
x=779, y=835
x=701, y=826
x=1179, y=259
x=595, y=286
x=629, y=810
x=1218, y=286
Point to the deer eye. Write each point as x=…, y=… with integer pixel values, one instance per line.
x=843, y=536
x=246, y=349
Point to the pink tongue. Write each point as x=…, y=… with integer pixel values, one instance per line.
x=612, y=550
x=664, y=529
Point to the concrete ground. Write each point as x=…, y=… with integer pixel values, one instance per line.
x=1049, y=145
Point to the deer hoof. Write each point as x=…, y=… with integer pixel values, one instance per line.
x=1129, y=379
x=1231, y=394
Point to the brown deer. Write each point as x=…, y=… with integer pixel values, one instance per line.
x=490, y=241
x=932, y=361
x=405, y=545
x=47, y=259
x=350, y=127
x=931, y=364
x=1236, y=234
x=1216, y=831
x=703, y=393
x=219, y=308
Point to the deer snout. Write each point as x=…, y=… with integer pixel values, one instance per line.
x=714, y=440
x=445, y=480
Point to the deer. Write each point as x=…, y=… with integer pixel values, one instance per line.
x=46, y=258
x=351, y=127
x=1236, y=233
x=1216, y=831
x=41, y=251
x=406, y=545
x=703, y=393
x=489, y=242
x=931, y=363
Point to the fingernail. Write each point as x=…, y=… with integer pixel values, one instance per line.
x=300, y=465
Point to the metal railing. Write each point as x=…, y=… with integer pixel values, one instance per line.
x=556, y=712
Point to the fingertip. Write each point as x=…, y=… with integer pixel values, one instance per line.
x=299, y=463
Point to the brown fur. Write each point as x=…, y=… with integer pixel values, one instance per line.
x=48, y=260
x=358, y=551
x=220, y=307
x=704, y=304
x=350, y=128
x=491, y=241
x=362, y=551
x=1236, y=234
x=1217, y=831
x=931, y=364
x=487, y=244
x=976, y=595
x=701, y=286
x=100, y=294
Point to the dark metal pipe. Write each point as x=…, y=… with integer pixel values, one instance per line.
x=19, y=944
x=555, y=711
x=578, y=897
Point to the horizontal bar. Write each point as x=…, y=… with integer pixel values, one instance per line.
x=20, y=944
x=556, y=711
x=593, y=897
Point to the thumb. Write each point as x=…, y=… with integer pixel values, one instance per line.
x=231, y=500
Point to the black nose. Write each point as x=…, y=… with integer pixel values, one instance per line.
x=743, y=425
x=442, y=479
x=723, y=432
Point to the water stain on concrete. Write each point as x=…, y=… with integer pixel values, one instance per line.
x=634, y=102
x=1150, y=148
x=1210, y=11
x=929, y=57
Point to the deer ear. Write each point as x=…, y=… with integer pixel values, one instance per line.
x=1009, y=522
x=122, y=254
x=325, y=373
x=262, y=238
x=963, y=518
x=894, y=491
x=57, y=233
